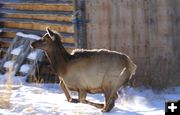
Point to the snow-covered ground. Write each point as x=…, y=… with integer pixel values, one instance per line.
x=48, y=99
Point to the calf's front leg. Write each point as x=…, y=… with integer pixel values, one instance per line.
x=69, y=98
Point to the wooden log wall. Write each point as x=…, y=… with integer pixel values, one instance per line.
x=147, y=30
x=33, y=16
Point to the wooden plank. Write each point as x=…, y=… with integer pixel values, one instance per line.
x=36, y=32
x=7, y=56
x=38, y=16
x=22, y=55
x=38, y=6
x=37, y=26
x=10, y=10
x=4, y=45
x=8, y=34
x=36, y=1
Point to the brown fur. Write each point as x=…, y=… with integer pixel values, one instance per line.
x=87, y=71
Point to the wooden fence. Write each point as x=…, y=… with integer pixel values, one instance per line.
x=147, y=30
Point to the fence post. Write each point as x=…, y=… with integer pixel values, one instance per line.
x=79, y=21
x=74, y=23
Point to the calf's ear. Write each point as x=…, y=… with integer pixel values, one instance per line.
x=50, y=33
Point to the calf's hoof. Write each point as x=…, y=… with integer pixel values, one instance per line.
x=104, y=110
x=109, y=106
x=73, y=100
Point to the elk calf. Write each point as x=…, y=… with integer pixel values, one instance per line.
x=87, y=71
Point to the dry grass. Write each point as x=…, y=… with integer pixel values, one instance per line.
x=6, y=90
x=5, y=98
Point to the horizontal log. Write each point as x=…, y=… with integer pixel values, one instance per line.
x=37, y=16
x=36, y=25
x=11, y=33
x=6, y=10
x=37, y=1
x=38, y=6
x=30, y=31
x=7, y=34
x=2, y=19
x=4, y=45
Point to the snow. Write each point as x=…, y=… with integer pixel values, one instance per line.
x=48, y=99
x=8, y=64
x=17, y=50
x=31, y=36
x=33, y=55
x=25, y=68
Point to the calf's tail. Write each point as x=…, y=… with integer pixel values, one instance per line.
x=131, y=67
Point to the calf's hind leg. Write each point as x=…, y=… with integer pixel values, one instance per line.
x=110, y=93
x=109, y=101
x=82, y=99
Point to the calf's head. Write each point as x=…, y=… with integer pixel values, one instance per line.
x=48, y=42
